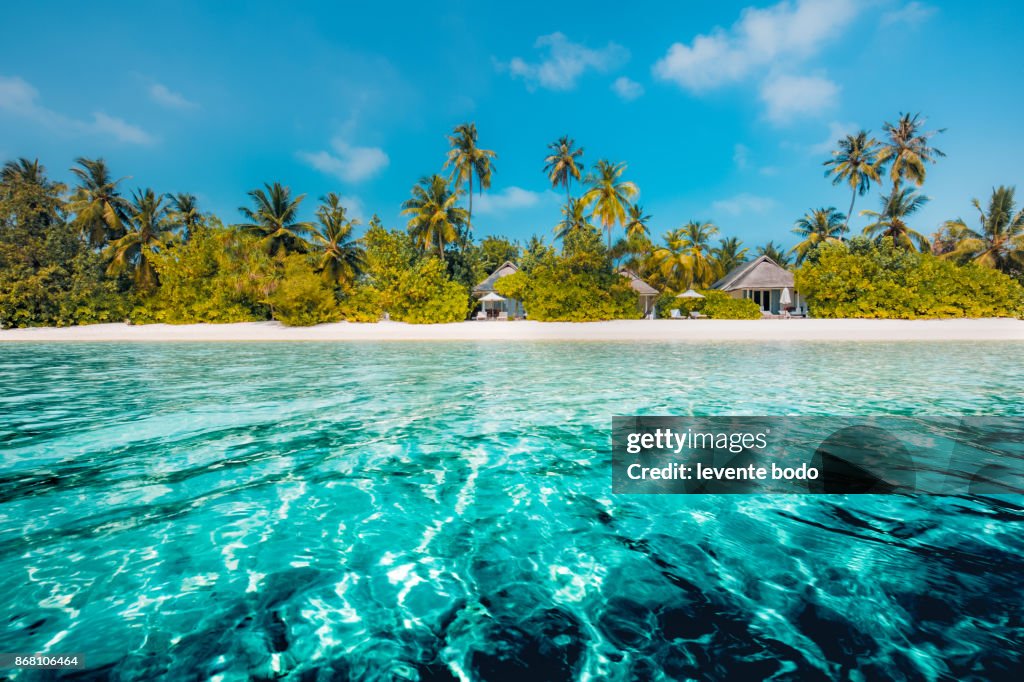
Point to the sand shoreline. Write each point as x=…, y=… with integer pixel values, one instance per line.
x=616, y=330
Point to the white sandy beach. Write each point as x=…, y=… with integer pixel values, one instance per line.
x=617, y=330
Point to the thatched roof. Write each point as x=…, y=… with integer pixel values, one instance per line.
x=639, y=286
x=506, y=268
x=760, y=273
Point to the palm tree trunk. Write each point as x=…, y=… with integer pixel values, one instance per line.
x=469, y=221
x=846, y=225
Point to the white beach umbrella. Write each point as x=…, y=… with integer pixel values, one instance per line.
x=491, y=296
x=689, y=293
x=784, y=298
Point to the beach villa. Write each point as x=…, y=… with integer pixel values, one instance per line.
x=766, y=283
x=492, y=304
x=646, y=293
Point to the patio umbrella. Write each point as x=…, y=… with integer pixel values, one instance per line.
x=784, y=298
x=689, y=293
x=491, y=296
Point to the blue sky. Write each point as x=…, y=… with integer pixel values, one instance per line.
x=723, y=111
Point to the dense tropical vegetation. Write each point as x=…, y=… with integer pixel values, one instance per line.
x=99, y=252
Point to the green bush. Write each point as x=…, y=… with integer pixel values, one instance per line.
x=878, y=280
x=426, y=295
x=361, y=304
x=716, y=304
x=301, y=298
x=573, y=289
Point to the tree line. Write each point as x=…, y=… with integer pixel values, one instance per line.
x=93, y=252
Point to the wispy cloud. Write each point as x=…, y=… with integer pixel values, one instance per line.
x=627, y=88
x=509, y=199
x=741, y=156
x=170, y=99
x=763, y=43
x=21, y=98
x=348, y=162
x=743, y=203
x=912, y=14
x=563, y=62
x=787, y=97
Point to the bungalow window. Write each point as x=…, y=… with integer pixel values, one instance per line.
x=762, y=297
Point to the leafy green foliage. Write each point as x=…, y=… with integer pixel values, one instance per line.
x=302, y=298
x=426, y=295
x=716, y=305
x=219, y=275
x=880, y=280
x=577, y=288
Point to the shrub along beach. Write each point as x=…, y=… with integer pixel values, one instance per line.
x=97, y=253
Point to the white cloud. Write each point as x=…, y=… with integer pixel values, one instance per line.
x=565, y=62
x=913, y=13
x=787, y=97
x=119, y=129
x=741, y=156
x=347, y=162
x=509, y=199
x=743, y=203
x=836, y=131
x=166, y=97
x=20, y=98
x=627, y=88
x=786, y=32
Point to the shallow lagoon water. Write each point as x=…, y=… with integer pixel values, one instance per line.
x=440, y=511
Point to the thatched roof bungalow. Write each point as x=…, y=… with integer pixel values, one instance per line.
x=645, y=292
x=511, y=307
x=766, y=283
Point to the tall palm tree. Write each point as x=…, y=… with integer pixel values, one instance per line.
x=436, y=215
x=562, y=164
x=100, y=210
x=148, y=229
x=856, y=164
x=342, y=258
x=636, y=222
x=609, y=194
x=186, y=213
x=776, y=253
x=275, y=219
x=43, y=196
x=685, y=260
x=891, y=221
x=574, y=217
x=908, y=149
x=28, y=171
x=817, y=227
x=728, y=254
x=999, y=241
x=468, y=161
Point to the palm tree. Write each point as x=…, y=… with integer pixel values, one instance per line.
x=729, y=254
x=891, y=221
x=908, y=149
x=686, y=257
x=100, y=210
x=609, y=195
x=436, y=217
x=148, y=229
x=636, y=224
x=574, y=217
x=186, y=213
x=28, y=171
x=44, y=195
x=467, y=160
x=776, y=253
x=275, y=219
x=342, y=257
x=562, y=165
x=817, y=227
x=856, y=164
x=999, y=241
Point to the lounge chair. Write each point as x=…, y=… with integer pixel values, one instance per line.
x=674, y=313
x=697, y=315
x=503, y=315
x=481, y=315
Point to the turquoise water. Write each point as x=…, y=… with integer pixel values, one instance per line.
x=442, y=511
